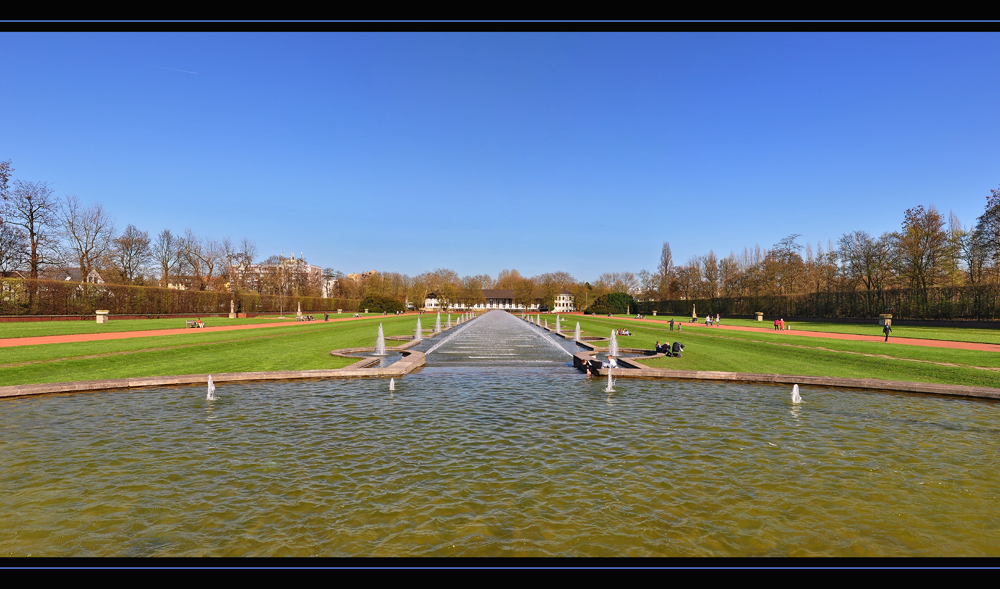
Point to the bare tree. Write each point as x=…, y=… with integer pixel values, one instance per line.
x=13, y=248
x=921, y=247
x=649, y=284
x=710, y=272
x=88, y=232
x=5, y=171
x=664, y=272
x=951, y=261
x=988, y=227
x=869, y=262
x=166, y=255
x=239, y=259
x=31, y=207
x=524, y=292
x=131, y=253
x=618, y=282
x=471, y=292
x=203, y=256
x=508, y=279
x=729, y=275
x=547, y=287
x=445, y=283
x=331, y=278
x=783, y=266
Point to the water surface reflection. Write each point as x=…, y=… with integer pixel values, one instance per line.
x=473, y=461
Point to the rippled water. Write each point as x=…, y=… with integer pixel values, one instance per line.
x=481, y=461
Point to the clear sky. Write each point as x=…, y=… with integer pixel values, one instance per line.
x=580, y=152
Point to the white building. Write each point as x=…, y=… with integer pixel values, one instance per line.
x=563, y=302
x=496, y=298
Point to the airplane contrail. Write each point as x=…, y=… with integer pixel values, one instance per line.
x=175, y=69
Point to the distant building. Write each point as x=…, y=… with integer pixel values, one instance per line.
x=496, y=298
x=563, y=302
x=183, y=283
x=361, y=277
x=294, y=270
x=71, y=275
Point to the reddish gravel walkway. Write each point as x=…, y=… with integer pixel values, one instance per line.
x=91, y=337
x=927, y=343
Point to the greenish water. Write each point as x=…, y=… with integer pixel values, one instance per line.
x=473, y=460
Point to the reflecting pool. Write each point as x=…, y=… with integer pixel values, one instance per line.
x=500, y=459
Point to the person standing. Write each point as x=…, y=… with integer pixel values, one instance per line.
x=671, y=325
x=886, y=330
x=716, y=319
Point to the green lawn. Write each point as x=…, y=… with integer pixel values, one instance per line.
x=42, y=328
x=307, y=346
x=780, y=353
x=295, y=347
x=957, y=334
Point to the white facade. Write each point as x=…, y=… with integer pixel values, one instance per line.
x=495, y=299
x=563, y=303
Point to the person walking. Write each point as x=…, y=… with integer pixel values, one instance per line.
x=886, y=330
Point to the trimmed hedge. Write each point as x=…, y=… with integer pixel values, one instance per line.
x=980, y=302
x=379, y=304
x=616, y=303
x=53, y=297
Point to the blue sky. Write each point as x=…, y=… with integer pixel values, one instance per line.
x=580, y=152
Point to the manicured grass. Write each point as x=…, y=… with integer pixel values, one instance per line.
x=295, y=347
x=14, y=329
x=780, y=353
x=956, y=334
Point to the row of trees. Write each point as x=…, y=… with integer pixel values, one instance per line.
x=927, y=253
x=39, y=231
x=468, y=290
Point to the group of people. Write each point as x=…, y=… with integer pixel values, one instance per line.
x=708, y=320
x=679, y=325
x=309, y=317
x=622, y=332
x=669, y=350
x=591, y=367
x=779, y=324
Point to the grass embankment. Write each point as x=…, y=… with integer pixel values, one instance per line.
x=780, y=353
x=15, y=329
x=955, y=334
x=295, y=347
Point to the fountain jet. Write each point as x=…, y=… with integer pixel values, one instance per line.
x=211, y=389
x=380, y=342
x=420, y=333
x=613, y=346
x=796, y=398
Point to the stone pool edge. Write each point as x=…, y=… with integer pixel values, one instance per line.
x=638, y=370
x=410, y=362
